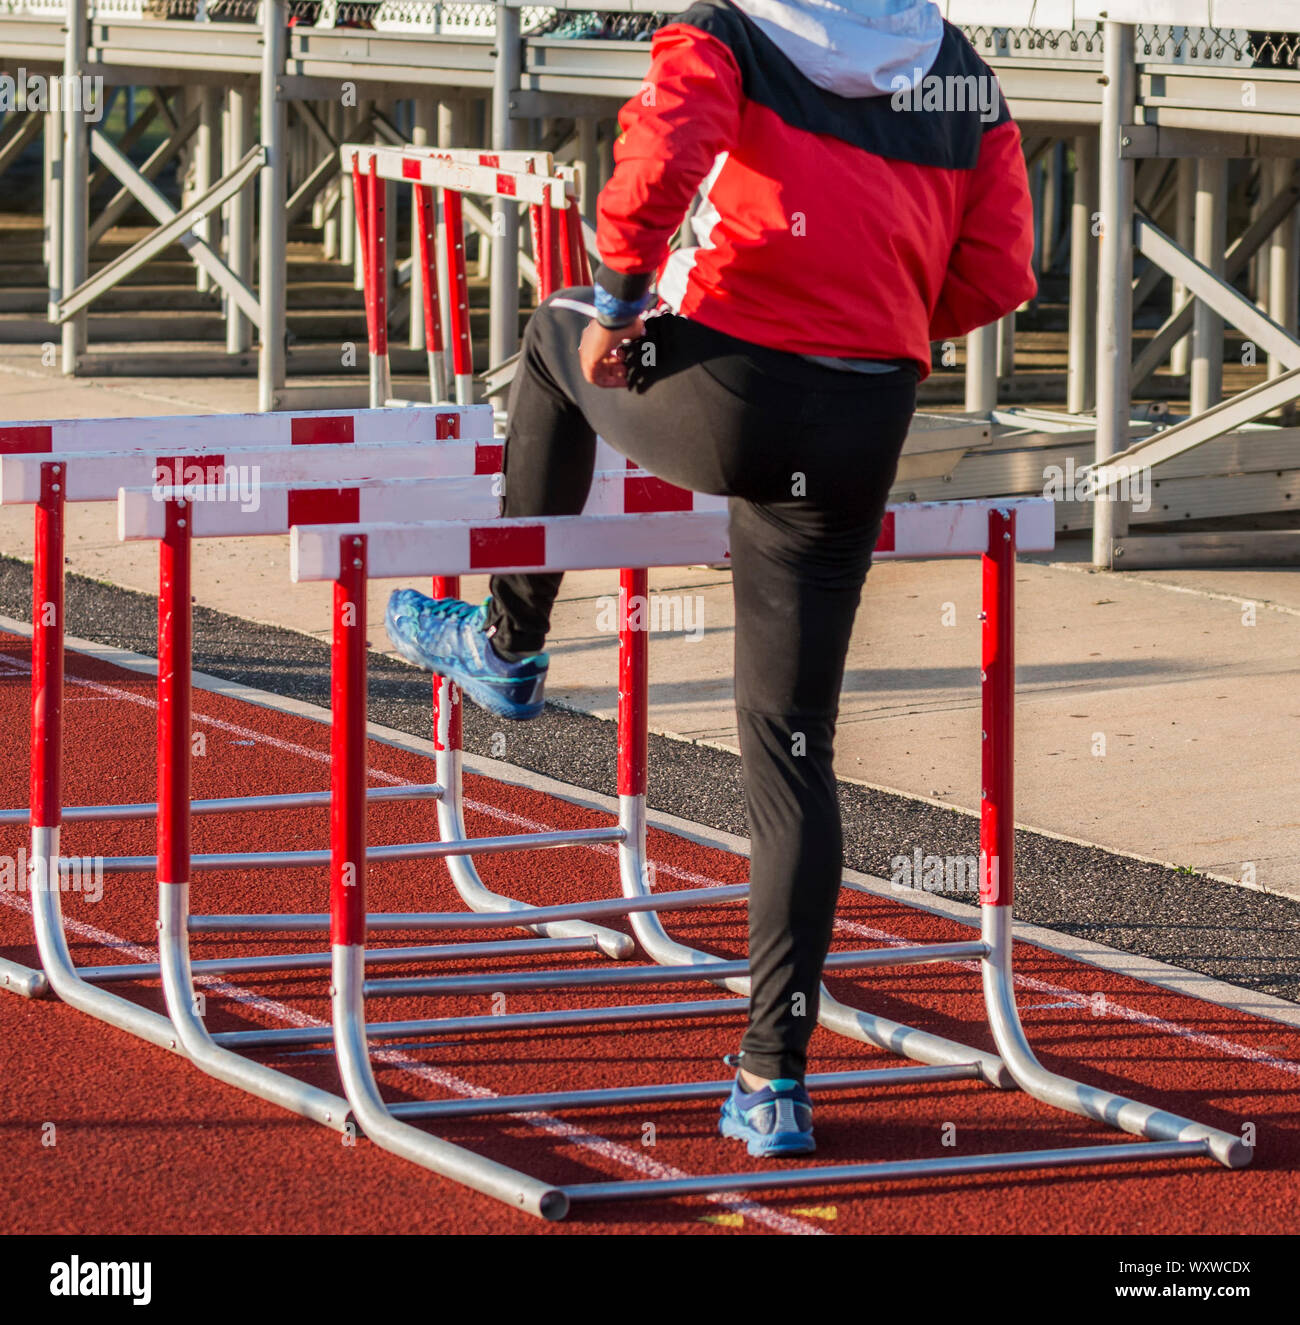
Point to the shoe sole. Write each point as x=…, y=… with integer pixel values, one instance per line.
x=484, y=696
x=766, y=1146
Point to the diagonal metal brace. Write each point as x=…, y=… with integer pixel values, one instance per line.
x=1240, y=409
x=1177, y=326
x=176, y=226
x=1217, y=294
x=151, y=168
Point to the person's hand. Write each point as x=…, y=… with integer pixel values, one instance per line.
x=600, y=352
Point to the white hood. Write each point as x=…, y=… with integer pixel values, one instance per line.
x=854, y=48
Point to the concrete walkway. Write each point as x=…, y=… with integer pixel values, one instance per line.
x=1159, y=711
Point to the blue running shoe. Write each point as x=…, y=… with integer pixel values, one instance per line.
x=776, y=1120
x=447, y=636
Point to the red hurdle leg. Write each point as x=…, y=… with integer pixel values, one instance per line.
x=535, y=228
x=570, y=238
x=185, y=1006
x=997, y=827
x=376, y=220
x=47, y=654
x=175, y=650
x=46, y=766
x=348, y=751
x=458, y=286
x=46, y=782
x=633, y=683
x=998, y=701
x=348, y=919
x=546, y=258
x=427, y=255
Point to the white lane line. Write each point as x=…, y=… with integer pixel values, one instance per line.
x=1074, y=998
x=613, y=1151
x=1206, y=1040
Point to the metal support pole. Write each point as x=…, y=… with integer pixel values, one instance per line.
x=272, y=249
x=207, y=170
x=982, y=369
x=1115, y=266
x=347, y=214
x=54, y=209
x=76, y=173
x=239, y=222
x=1209, y=249
x=589, y=156
x=335, y=192
x=1283, y=268
x=1184, y=232
x=1006, y=364
x=605, y=150
x=1053, y=174
x=504, y=334
x=1258, y=283
x=1081, y=381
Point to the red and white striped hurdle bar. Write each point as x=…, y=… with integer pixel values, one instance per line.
x=215, y=513
x=189, y=433
x=526, y=177
x=98, y=476
x=579, y=542
x=348, y=555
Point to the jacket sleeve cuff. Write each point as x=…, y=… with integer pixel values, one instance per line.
x=623, y=285
x=613, y=312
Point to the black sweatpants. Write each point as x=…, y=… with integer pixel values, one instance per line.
x=806, y=454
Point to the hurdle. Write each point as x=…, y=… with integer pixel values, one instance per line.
x=527, y=177
x=348, y=555
x=47, y=464
x=634, y=492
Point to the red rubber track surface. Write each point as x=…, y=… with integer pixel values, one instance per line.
x=146, y=1143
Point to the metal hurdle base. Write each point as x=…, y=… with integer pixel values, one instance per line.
x=22, y=980
x=1166, y=1135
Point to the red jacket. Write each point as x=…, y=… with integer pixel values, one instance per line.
x=854, y=226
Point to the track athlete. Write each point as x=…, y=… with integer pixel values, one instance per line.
x=859, y=192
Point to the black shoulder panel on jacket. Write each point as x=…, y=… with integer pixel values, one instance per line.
x=896, y=126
